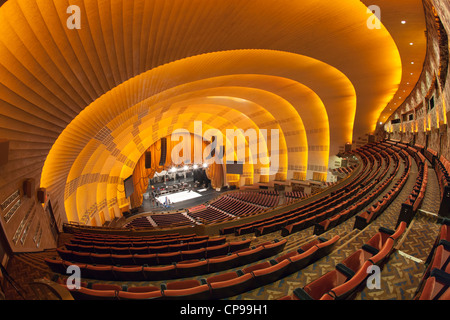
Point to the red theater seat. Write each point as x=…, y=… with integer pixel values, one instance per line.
x=185, y=270
x=89, y=294
x=198, y=292
x=345, y=290
x=270, y=274
x=436, y=286
x=229, y=284
x=159, y=273
x=151, y=295
x=223, y=263
x=128, y=274
x=144, y=289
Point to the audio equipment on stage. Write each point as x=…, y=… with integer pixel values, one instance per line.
x=148, y=159
x=162, y=161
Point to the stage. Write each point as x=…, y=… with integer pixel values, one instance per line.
x=185, y=197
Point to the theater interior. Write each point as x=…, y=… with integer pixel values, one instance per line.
x=224, y=150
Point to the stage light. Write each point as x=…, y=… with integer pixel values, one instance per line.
x=173, y=170
x=185, y=168
x=195, y=166
x=205, y=165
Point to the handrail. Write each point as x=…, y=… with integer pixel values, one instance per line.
x=59, y=291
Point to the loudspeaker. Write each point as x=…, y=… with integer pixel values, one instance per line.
x=148, y=159
x=163, y=151
x=42, y=195
x=348, y=147
x=28, y=187
x=4, y=151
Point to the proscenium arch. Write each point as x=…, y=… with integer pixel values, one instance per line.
x=189, y=64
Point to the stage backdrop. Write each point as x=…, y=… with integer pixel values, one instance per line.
x=141, y=175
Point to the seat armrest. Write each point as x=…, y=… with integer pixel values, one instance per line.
x=302, y=294
x=345, y=270
x=370, y=249
x=442, y=276
x=445, y=243
x=386, y=231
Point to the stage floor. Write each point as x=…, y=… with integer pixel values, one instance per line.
x=180, y=200
x=179, y=196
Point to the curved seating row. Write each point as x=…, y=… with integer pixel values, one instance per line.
x=137, y=243
x=266, y=199
x=221, y=285
x=170, y=219
x=114, y=237
x=344, y=281
x=141, y=248
x=361, y=199
x=292, y=196
x=341, y=204
x=415, y=199
x=150, y=257
x=277, y=222
x=235, y=207
x=247, y=228
x=210, y=215
x=365, y=218
x=181, y=269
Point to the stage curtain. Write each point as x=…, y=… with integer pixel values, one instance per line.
x=140, y=180
x=214, y=172
x=141, y=175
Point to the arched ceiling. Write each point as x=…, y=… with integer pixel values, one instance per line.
x=312, y=66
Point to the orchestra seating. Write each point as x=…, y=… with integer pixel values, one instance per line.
x=342, y=282
x=209, y=286
x=203, y=267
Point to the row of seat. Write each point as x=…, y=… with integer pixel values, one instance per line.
x=237, y=208
x=343, y=170
x=210, y=215
x=436, y=278
x=152, y=259
x=292, y=196
x=361, y=199
x=222, y=285
x=340, y=204
x=415, y=198
x=170, y=220
x=266, y=199
x=442, y=167
x=85, y=235
x=344, y=281
x=145, y=249
x=278, y=221
x=139, y=223
x=365, y=218
x=137, y=243
x=181, y=269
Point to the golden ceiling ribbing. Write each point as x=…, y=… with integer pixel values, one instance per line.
x=88, y=101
